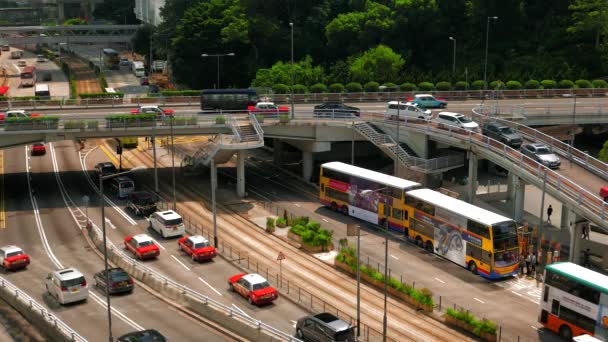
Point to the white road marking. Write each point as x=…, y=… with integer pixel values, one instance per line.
x=519, y=294
x=297, y=205
x=294, y=323
x=241, y=311
x=211, y=287
x=439, y=280
x=479, y=300
x=181, y=263
x=394, y=257
x=325, y=220
x=535, y=328
x=110, y=223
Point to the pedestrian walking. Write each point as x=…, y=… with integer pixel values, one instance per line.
x=533, y=263
x=586, y=231
x=586, y=255
x=549, y=212
x=528, y=263
x=521, y=264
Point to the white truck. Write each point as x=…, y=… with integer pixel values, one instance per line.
x=16, y=54
x=138, y=69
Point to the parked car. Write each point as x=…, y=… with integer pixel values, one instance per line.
x=41, y=59
x=142, y=246
x=153, y=109
x=38, y=149
x=124, y=62
x=120, y=281
x=105, y=168
x=324, y=327
x=254, y=287
x=13, y=258
x=198, y=247
x=149, y=335
x=503, y=133
x=142, y=203
x=457, y=120
x=67, y=286
x=267, y=108
x=407, y=111
x=167, y=223
x=542, y=154
x=428, y=101
x=335, y=108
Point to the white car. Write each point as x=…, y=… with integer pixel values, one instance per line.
x=67, y=286
x=167, y=223
x=41, y=59
x=407, y=110
x=457, y=120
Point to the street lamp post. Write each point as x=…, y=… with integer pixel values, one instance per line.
x=485, y=65
x=173, y=165
x=105, y=248
x=218, y=63
x=454, y=57
x=292, y=74
x=213, y=186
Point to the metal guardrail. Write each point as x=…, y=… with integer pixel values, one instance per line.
x=204, y=299
x=61, y=326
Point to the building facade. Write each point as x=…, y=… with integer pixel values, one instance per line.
x=148, y=11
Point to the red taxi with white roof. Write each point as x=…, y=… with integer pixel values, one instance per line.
x=198, y=247
x=153, y=109
x=254, y=287
x=142, y=246
x=268, y=108
x=13, y=258
x=18, y=113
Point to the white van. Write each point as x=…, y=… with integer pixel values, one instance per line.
x=167, y=223
x=67, y=286
x=122, y=186
x=407, y=111
x=42, y=91
x=457, y=120
x=138, y=69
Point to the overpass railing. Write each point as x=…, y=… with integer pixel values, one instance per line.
x=567, y=151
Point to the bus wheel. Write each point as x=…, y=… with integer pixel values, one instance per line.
x=429, y=246
x=418, y=241
x=565, y=333
x=344, y=210
x=472, y=267
x=334, y=206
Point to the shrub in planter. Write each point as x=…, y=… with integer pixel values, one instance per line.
x=41, y=122
x=566, y=84
x=407, y=86
x=314, y=226
x=297, y=229
x=599, y=84
x=260, y=118
x=336, y=88
x=371, y=87
x=280, y=88
x=74, y=124
x=130, y=120
x=477, y=85
x=532, y=84
x=354, y=87
x=318, y=88
x=284, y=118
x=389, y=86
x=583, y=83
x=426, y=86
x=443, y=86
x=281, y=222
x=323, y=237
x=548, y=84
x=300, y=89
x=513, y=85
x=497, y=85
x=220, y=119
x=461, y=85
x=185, y=121
x=483, y=328
x=92, y=124
x=301, y=220
x=270, y=224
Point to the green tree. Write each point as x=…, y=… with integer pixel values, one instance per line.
x=380, y=64
x=141, y=39
x=590, y=16
x=603, y=155
x=304, y=73
x=74, y=21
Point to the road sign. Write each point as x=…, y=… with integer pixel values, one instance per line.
x=281, y=256
x=352, y=229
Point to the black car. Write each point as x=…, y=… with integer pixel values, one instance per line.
x=105, y=168
x=336, y=108
x=120, y=281
x=149, y=335
x=142, y=203
x=502, y=133
x=324, y=327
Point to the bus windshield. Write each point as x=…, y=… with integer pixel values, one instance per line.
x=504, y=235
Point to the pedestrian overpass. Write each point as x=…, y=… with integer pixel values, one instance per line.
x=23, y=35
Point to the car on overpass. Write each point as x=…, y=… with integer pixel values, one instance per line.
x=428, y=101
x=335, y=108
x=18, y=113
x=542, y=154
x=149, y=335
x=154, y=109
x=456, y=120
x=267, y=108
x=407, y=110
x=503, y=133
x=38, y=149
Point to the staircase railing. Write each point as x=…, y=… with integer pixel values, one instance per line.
x=256, y=126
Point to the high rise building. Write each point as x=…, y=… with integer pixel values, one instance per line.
x=148, y=11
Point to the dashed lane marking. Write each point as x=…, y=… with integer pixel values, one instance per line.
x=439, y=280
x=325, y=220
x=479, y=300
x=394, y=257
x=211, y=287
x=181, y=263
x=515, y=293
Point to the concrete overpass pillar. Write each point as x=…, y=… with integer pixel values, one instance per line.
x=277, y=151
x=240, y=173
x=307, y=165
x=511, y=179
x=567, y=218
x=575, y=243
x=472, y=181
x=519, y=193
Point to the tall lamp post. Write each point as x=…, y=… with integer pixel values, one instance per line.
x=485, y=65
x=105, y=248
x=218, y=63
x=454, y=57
x=292, y=74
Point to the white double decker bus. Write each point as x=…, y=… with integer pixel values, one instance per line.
x=575, y=301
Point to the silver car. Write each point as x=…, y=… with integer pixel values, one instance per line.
x=324, y=327
x=542, y=154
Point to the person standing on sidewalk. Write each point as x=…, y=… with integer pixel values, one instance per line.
x=527, y=263
x=549, y=212
x=533, y=263
x=586, y=231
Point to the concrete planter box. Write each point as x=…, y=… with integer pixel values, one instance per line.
x=31, y=126
x=294, y=237
x=449, y=320
x=344, y=267
x=283, y=120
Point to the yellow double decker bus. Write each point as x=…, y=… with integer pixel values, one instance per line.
x=480, y=240
x=128, y=142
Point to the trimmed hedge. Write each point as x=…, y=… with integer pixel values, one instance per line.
x=32, y=119
x=336, y=88
x=461, y=85
x=477, y=85
x=371, y=87
x=280, y=88
x=599, y=84
x=426, y=86
x=532, y=84
x=172, y=93
x=311, y=233
x=443, y=86
x=480, y=326
x=407, y=86
x=131, y=117
x=566, y=84
x=299, y=89
x=318, y=88
x=548, y=84
x=583, y=83
x=497, y=85
x=354, y=87
x=101, y=95
x=513, y=85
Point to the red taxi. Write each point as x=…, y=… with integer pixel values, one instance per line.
x=142, y=246
x=198, y=247
x=254, y=287
x=604, y=193
x=153, y=109
x=38, y=149
x=267, y=108
x=18, y=113
x=13, y=258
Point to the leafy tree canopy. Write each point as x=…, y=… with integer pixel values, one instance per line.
x=380, y=64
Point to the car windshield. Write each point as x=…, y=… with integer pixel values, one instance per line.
x=174, y=221
x=507, y=130
x=145, y=243
x=119, y=276
x=108, y=168
x=201, y=245
x=13, y=254
x=72, y=282
x=145, y=199
x=260, y=286
x=464, y=119
x=543, y=150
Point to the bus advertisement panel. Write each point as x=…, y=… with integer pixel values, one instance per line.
x=574, y=301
